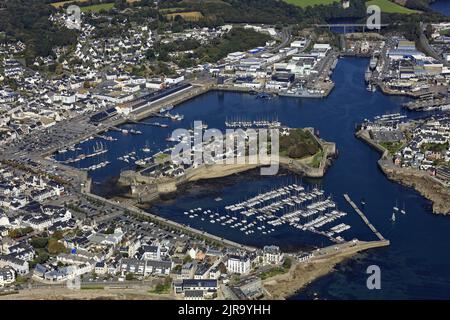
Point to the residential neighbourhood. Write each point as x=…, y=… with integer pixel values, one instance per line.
x=97, y=97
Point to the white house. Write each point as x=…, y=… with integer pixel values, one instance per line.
x=238, y=264
x=272, y=255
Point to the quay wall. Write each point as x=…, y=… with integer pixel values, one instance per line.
x=149, y=188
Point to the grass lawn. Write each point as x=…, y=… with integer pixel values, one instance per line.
x=93, y=288
x=188, y=16
x=392, y=147
x=61, y=3
x=272, y=273
x=317, y=159
x=390, y=7
x=169, y=10
x=97, y=7
x=306, y=3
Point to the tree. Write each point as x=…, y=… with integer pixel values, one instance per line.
x=150, y=54
x=187, y=259
x=58, y=235
x=39, y=243
x=55, y=247
x=120, y=4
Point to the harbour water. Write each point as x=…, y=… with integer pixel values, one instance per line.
x=416, y=263
x=442, y=6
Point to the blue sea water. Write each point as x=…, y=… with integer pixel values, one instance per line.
x=417, y=263
x=442, y=6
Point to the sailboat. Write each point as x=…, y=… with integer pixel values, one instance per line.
x=393, y=217
x=403, y=211
x=396, y=206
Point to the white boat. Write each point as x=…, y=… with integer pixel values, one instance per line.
x=396, y=205
x=166, y=108
x=171, y=139
x=140, y=162
x=393, y=217
x=146, y=148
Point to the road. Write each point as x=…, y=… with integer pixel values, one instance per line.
x=426, y=45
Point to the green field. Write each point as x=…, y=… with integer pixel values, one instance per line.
x=97, y=7
x=390, y=7
x=306, y=3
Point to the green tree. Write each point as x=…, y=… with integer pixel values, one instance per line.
x=55, y=247
x=39, y=243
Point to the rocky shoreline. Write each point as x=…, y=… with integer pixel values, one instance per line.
x=302, y=274
x=420, y=181
x=425, y=185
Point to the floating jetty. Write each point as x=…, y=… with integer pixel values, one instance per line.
x=104, y=137
x=364, y=218
x=287, y=205
x=238, y=122
x=155, y=124
x=99, y=149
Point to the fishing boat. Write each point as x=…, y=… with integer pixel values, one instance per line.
x=174, y=117
x=393, y=217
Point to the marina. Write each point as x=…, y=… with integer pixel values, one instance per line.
x=98, y=149
x=335, y=117
x=289, y=204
